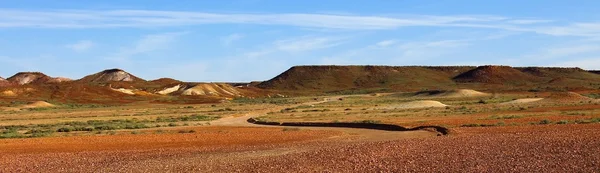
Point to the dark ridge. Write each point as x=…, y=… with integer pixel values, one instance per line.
x=594, y=71
x=374, y=126
x=112, y=70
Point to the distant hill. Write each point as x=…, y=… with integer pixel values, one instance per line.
x=496, y=75
x=408, y=78
x=165, y=81
x=23, y=78
x=110, y=75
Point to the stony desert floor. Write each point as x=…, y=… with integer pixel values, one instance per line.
x=487, y=134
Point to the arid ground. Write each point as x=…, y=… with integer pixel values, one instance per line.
x=487, y=133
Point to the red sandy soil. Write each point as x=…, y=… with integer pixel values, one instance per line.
x=551, y=148
x=543, y=148
x=90, y=153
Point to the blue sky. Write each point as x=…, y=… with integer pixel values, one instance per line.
x=251, y=40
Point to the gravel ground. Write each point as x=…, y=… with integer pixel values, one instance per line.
x=539, y=148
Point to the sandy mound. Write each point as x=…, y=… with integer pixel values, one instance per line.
x=452, y=93
x=568, y=96
x=169, y=90
x=212, y=89
x=123, y=90
x=522, y=101
x=463, y=93
x=419, y=104
x=38, y=104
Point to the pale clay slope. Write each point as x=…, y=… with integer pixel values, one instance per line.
x=26, y=79
x=38, y=104
x=418, y=104
x=212, y=89
x=170, y=90
x=115, y=76
x=59, y=80
x=123, y=90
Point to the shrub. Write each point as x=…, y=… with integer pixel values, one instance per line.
x=65, y=129
x=563, y=122
x=369, y=121
x=545, y=121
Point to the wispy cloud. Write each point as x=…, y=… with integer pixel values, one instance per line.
x=227, y=40
x=385, y=43
x=146, y=44
x=153, y=18
x=307, y=43
x=529, y=21
x=81, y=46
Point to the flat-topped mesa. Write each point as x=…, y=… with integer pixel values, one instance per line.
x=110, y=75
x=23, y=78
x=351, y=77
x=552, y=71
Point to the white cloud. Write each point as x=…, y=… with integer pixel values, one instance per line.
x=307, y=43
x=227, y=40
x=529, y=21
x=153, y=18
x=148, y=18
x=385, y=43
x=81, y=46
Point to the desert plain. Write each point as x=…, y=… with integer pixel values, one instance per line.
x=308, y=119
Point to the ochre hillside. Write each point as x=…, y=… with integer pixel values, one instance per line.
x=4, y=82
